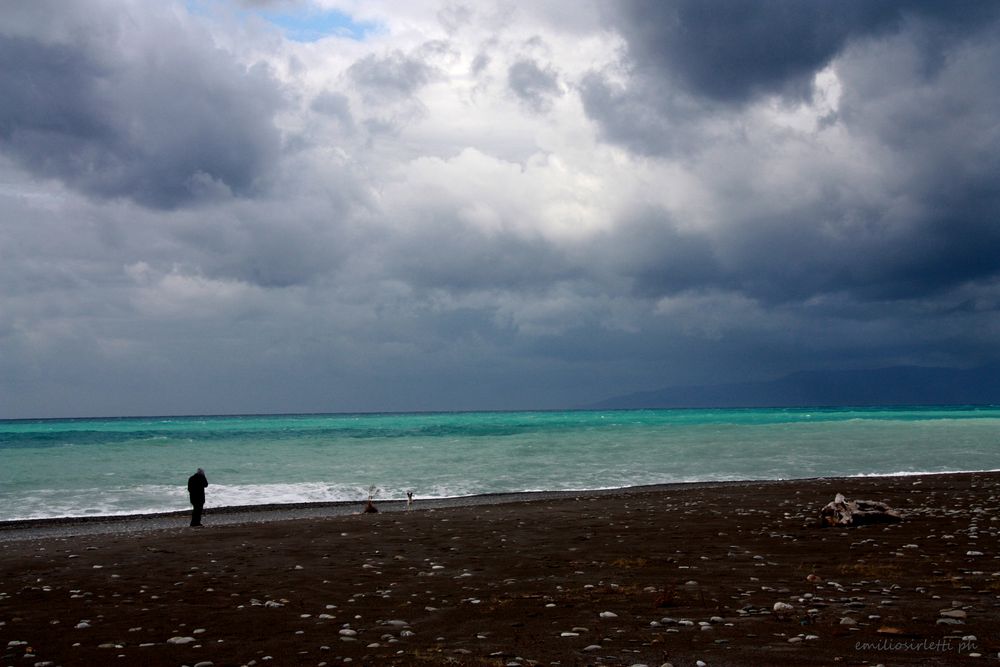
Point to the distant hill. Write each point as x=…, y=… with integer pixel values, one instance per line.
x=898, y=385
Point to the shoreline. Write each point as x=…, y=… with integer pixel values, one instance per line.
x=22, y=529
x=264, y=513
x=728, y=573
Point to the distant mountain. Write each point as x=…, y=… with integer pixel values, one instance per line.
x=898, y=385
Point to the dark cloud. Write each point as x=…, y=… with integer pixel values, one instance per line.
x=730, y=51
x=393, y=76
x=533, y=84
x=689, y=67
x=644, y=120
x=916, y=94
x=147, y=108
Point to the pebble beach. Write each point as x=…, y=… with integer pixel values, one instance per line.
x=735, y=573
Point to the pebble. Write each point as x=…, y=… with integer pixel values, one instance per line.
x=592, y=647
x=204, y=663
x=608, y=614
x=949, y=621
x=180, y=640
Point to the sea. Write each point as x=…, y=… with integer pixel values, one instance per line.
x=95, y=467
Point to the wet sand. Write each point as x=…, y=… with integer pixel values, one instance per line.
x=639, y=576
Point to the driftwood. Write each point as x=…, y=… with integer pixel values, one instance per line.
x=844, y=512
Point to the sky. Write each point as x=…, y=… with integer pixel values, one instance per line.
x=226, y=206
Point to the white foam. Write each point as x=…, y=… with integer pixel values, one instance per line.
x=913, y=473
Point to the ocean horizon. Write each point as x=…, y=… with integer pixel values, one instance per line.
x=92, y=466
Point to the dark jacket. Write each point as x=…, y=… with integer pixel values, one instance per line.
x=196, y=488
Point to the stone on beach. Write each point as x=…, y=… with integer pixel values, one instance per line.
x=180, y=640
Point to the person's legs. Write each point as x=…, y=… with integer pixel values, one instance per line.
x=196, y=514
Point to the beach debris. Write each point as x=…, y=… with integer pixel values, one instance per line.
x=844, y=512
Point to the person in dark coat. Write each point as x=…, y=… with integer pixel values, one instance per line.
x=196, y=489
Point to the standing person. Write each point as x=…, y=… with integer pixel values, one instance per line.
x=196, y=489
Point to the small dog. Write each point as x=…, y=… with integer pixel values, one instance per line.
x=409, y=500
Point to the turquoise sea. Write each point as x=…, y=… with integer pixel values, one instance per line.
x=85, y=467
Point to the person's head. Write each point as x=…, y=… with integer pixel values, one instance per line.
x=201, y=471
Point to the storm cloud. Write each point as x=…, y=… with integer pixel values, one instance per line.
x=145, y=108
x=487, y=206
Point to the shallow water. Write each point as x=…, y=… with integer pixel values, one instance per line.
x=83, y=467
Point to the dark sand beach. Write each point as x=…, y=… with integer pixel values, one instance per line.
x=675, y=575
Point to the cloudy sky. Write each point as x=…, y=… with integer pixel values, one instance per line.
x=222, y=206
